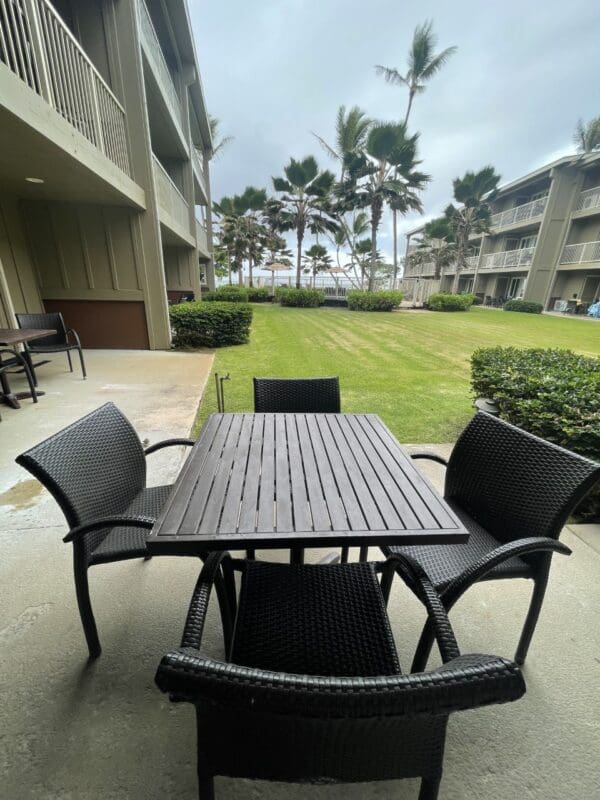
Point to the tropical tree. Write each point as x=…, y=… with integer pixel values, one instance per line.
x=587, y=136
x=423, y=64
x=219, y=142
x=437, y=245
x=241, y=233
x=304, y=195
x=473, y=191
x=383, y=173
x=253, y=201
x=316, y=259
x=227, y=213
x=351, y=131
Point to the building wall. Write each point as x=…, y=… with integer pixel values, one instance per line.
x=18, y=284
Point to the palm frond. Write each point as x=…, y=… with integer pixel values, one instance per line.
x=328, y=149
x=391, y=75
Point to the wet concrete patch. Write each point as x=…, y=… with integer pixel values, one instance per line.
x=22, y=495
x=23, y=622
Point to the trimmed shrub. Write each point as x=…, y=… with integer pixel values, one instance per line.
x=227, y=294
x=554, y=394
x=304, y=298
x=373, y=301
x=259, y=295
x=450, y=302
x=199, y=324
x=525, y=306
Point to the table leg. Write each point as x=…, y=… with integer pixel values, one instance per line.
x=7, y=396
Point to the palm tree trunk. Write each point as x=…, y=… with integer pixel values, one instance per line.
x=299, y=237
x=250, y=271
x=411, y=97
x=241, y=274
x=229, y=266
x=395, y=237
x=375, y=219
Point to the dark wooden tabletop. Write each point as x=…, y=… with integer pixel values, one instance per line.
x=284, y=480
x=12, y=336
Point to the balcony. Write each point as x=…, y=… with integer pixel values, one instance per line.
x=509, y=258
x=471, y=262
x=172, y=206
x=580, y=253
x=518, y=214
x=158, y=65
x=39, y=48
x=588, y=200
x=198, y=166
x=202, y=239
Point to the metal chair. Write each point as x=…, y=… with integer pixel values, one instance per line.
x=96, y=471
x=297, y=395
x=514, y=493
x=15, y=360
x=311, y=688
x=56, y=343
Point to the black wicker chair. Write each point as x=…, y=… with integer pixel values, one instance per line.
x=311, y=688
x=57, y=342
x=96, y=471
x=514, y=492
x=15, y=361
x=297, y=395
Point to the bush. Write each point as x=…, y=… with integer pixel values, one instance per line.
x=305, y=298
x=373, y=301
x=477, y=299
x=199, y=324
x=259, y=295
x=554, y=394
x=525, y=306
x=228, y=294
x=450, y=302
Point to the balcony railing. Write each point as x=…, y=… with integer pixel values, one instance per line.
x=38, y=47
x=169, y=197
x=155, y=56
x=580, y=253
x=198, y=165
x=509, y=258
x=201, y=237
x=471, y=261
x=590, y=198
x=520, y=213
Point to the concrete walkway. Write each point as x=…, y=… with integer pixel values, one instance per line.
x=73, y=731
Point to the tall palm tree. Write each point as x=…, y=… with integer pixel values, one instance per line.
x=253, y=201
x=219, y=142
x=226, y=214
x=423, y=64
x=382, y=174
x=303, y=192
x=587, y=136
x=473, y=191
x=437, y=245
x=316, y=259
x=351, y=131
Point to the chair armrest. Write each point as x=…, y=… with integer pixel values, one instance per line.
x=419, y=582
x=478, y=569
x=74, y=334
x=109, y=522
x=168, y=443
x=196, y=616
x=429, y=457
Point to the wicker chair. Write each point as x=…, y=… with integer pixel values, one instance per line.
x=14, y=361
x=56, y=343
x=96, y=471
x=311, y=689
x=514, y=492
x=297, y=395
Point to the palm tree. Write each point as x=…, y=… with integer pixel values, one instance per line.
x=587, y=136
x=423, y=64
x=437, y=245
x=253, y=201
x=227, y=211
x=303, y=191
x=351, y=131
x=382, y=174
x=316, y=259
x=473, y=191
x=219, y=144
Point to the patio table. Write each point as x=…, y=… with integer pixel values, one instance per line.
x=300, y=480
x=11, y=337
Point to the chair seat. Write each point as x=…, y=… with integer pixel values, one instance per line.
x=312, y=619
x=121, y=543
x=443, y=563
x=51, y=348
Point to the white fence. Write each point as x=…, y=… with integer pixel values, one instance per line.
x=520, y=213
x=37, y=46
x=590, y=198
x=509, y=258
x=170, y=198
x=578, y=253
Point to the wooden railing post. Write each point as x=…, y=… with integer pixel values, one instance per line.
x=39, y=50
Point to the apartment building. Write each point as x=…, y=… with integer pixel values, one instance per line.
x=543, y=243
x=104, y=166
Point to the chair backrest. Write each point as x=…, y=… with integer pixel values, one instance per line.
x=513, y=483
x=93, y=468
x=52, y=321
x=297, y=395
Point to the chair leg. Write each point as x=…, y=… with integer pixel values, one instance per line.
x=345, y=553
x=296, y=555
x=363, y=554
x=70, y=360
x=535, y=606
x=429, y=788
x=80, y=351
x=85, y=611
x=206, y=788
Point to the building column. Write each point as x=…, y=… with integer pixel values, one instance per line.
x=210, y=266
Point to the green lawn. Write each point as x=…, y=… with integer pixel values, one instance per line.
x=411, y=368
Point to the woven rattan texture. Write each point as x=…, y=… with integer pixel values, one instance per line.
x=304, y=620
x=297, y=395
x=52, y=321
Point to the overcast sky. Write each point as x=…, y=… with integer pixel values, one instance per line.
x=275, y=70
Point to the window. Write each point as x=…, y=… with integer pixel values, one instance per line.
x=539, y=195
x=515, y=288
x=527, y=241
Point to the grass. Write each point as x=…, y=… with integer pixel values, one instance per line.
x=411, y=368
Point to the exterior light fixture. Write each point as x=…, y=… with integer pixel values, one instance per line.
x=35, y=180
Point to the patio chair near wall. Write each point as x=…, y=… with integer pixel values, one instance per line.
x=96, y=471
x=58, y=342
x=514, y=493
x=310, y=689
x=297, y=395
x=10, y=361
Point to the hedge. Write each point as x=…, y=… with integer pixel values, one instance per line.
x=525, y=306
x=229, y=294
x=199, y=324
x=450, y=302
x=554, y=394
x=305, y=298
x=259, y=295
x=373, y=301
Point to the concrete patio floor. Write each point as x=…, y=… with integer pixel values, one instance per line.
x=74, y=731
